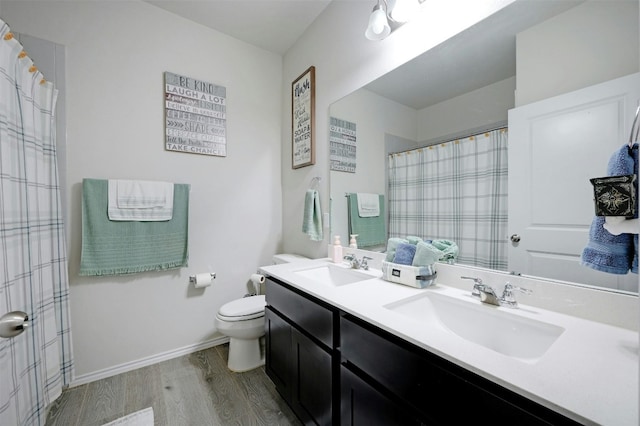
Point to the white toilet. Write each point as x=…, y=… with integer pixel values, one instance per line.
x=243, y=321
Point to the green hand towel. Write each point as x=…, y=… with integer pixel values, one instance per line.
x=426, y=254
x=413, y=239
x=448, y=248
x=312, y=219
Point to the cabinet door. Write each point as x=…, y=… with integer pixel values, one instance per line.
x=278, y=352
x=362, y=404
x=312, y=383
x=429, y=384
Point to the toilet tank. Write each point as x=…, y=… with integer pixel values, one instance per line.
x=287, y=258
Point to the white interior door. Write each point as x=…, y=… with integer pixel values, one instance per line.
x=555, y=147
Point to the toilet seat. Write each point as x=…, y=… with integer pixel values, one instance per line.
x=243, y=309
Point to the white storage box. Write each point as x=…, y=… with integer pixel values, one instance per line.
x=413, y=276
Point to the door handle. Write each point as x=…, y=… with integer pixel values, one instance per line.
x=515, y=238
x=13, y=323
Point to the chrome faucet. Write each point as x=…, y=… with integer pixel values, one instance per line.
x=358, y=264
x=488, y=295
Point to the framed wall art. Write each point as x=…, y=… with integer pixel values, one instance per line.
x=303, y=99
x=195, y=116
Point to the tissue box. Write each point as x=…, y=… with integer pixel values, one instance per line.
x=615, y=195
x=413, y=276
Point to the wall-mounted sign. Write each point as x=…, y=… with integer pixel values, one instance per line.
x=342, y=145
x=303, y=99
x=195, y=116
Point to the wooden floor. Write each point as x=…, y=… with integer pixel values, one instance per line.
x=196, y=389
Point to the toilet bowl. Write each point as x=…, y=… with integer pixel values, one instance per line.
x=242, y=320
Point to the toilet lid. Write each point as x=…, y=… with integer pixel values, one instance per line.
x=252, y=306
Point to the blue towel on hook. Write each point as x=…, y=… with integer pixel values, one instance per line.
x=312, y=220
x=614, y=254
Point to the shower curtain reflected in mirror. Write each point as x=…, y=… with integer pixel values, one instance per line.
x=36, y=364
x=456, y=191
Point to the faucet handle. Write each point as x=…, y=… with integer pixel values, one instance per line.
x=508, y=298
x=477, y=285
x=363, y=263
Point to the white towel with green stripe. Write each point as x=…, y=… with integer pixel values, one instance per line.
x=312, y=219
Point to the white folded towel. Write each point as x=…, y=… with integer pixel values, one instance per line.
x=141, y=201
x=368, y=205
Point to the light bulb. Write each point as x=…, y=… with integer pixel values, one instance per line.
x=378, y=27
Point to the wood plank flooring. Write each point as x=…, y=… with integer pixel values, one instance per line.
x=192, y=390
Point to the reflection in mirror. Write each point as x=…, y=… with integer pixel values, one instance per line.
x=497, y=73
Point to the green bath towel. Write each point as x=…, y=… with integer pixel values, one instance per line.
x=372, y=231
x=114, y=248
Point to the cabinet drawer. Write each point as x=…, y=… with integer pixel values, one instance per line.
x=307, y=314
x=429, y=383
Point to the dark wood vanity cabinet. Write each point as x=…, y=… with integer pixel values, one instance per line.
x=425, y=388
x=335, y=369
x=300, y=352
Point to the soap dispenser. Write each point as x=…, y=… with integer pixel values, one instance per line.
x=336, y=250
x=353, y=243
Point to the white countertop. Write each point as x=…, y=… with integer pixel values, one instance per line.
x=589, y=374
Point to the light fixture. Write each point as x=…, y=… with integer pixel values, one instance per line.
x=378, y=27
x=398, y=11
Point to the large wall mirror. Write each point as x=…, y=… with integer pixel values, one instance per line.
x=524, y=55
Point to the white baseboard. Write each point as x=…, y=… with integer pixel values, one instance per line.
x=143, y=362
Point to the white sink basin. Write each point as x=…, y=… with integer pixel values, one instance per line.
x=485, y=325
x=333, y=275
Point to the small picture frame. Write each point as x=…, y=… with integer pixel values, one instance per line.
x=303, y=99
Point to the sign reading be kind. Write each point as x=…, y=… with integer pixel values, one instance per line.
x=195, y=116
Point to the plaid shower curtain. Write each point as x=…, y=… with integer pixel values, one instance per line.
x=33, y=263
x=456, y=191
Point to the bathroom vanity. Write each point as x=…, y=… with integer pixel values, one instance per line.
x=345, y=347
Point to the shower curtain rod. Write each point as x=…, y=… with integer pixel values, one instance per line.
x=456, y=136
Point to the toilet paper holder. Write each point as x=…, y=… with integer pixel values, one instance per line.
x=192, y=278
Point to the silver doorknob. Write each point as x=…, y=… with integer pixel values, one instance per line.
x=515, y=238
x=13, y=323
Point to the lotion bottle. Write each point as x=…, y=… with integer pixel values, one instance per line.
x=353, y=243
x=336, y=250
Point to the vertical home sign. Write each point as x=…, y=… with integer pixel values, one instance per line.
x=195, y=116
x=303, y=97
x=342, y=145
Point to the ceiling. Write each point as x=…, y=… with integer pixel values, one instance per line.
x=477, y=57
x=483, y=54
x=274, y=25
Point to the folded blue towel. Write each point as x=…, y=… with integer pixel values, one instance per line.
x=312, y=220
x=614, y=254
x=392, y=245
x=426, y=254
x=404, y=254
